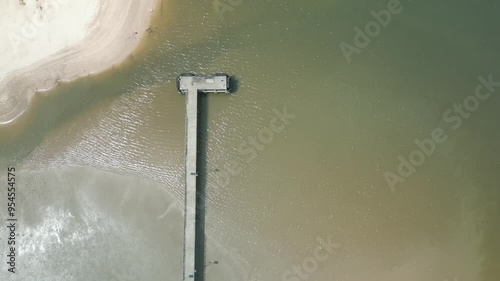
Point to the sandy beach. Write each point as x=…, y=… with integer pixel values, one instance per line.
x=47, y=41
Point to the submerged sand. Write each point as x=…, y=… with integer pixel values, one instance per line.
x=47, y=41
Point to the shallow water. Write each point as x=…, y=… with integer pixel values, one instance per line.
x=101, y=159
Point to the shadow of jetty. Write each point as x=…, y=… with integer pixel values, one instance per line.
x=201, y=187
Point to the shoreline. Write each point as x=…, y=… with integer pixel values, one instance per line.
x=113, y=34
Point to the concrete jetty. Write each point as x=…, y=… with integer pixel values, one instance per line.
x=191, y=85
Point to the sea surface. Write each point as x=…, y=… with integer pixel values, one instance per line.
x=380, y=164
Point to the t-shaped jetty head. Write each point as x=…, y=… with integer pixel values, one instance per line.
x=217, y=83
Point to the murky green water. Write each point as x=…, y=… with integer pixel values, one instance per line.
x=100, y=160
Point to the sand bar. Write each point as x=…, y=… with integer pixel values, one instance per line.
x=46, y=41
